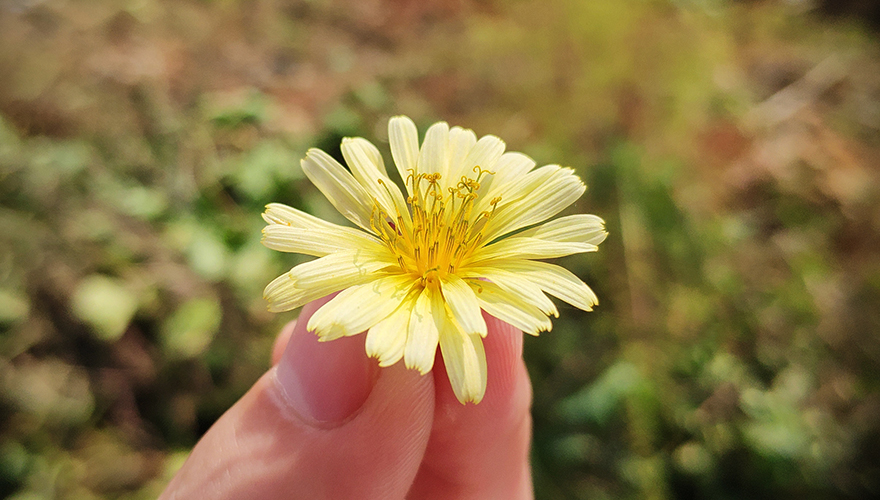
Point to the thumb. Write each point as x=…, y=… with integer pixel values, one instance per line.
x=325, y=422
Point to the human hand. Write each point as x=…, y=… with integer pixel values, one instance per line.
x=327, y=422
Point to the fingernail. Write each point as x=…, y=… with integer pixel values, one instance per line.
x=324, y=382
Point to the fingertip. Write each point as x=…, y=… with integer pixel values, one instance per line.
x=508, y=390
x=325, y=382
x=511, y=389
x=281, y=341
x=481, y=450
x=288, y=330
x=287, y=436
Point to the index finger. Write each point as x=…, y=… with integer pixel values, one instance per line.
x=482, y=451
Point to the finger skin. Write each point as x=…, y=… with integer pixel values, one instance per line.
x=281, y=342
x=481, y=451
x=261, y=448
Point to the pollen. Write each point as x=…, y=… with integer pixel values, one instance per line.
x=443, y=232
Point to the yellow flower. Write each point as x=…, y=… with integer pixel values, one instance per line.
x=423, y=265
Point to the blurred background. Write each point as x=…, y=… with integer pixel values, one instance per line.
x=733, y=147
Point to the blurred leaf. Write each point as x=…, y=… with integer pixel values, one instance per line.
x=13, y=306
x=253, y=267
x=231, y=109
x=257, y=172
x=35, y=74
x=9, y=141
x=50, y=391
x=693, y=458
x=63, y=158
x=778, y=425
x=191, y=328
x=373, y=95
x=110, y=463
x=142, y=202
x=27, y=495
x=779, y=433
x=104, y=303
x=599, y=401
x=575, y=448
x=343, y=120
x=14, y=462
x=93, y=225
x=129, y=197
x=205, y=251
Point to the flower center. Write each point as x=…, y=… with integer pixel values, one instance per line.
x=441, y=229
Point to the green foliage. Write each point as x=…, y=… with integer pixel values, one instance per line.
x=190, y=329
x=734, y=352
x=105, y=304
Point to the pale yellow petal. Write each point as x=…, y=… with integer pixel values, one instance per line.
x=465, y=361
x=356, y=309
x=555, y=280
x=512, y=309
x=386, y=340
x=541, y=194
x=320, y=277
x=428, y=315
x=434, y=155
x=404, y=141
x=367, y=167
x=527, y=248
x=342, y=268
x=513, y=283
x=461, y=142
x=579, y=228
x=317, y=241
x=370, y=165
x=340, y=188
x=463, y=305
x=279, y=213
x=484, y=154
x=510, y=166
x=283, y=294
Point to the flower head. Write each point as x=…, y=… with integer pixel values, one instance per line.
x=464, y=237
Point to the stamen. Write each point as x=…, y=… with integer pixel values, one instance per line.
x=443, y=230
